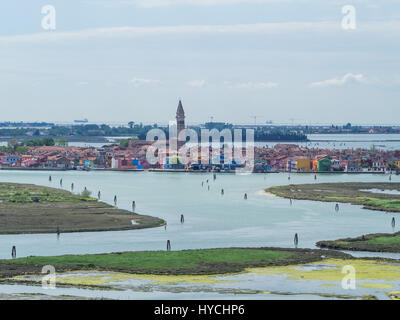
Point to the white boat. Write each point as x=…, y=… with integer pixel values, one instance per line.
x=81, y=121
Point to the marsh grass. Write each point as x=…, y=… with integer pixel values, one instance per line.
x=379, y=242
x=349, y=192
x=189, y=262
x=27, y=208
x=23, y=193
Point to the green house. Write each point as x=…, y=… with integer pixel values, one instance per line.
x=324, y=164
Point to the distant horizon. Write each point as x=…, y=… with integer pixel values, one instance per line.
x=162, y=123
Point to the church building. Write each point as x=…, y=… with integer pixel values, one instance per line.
x=180, y=118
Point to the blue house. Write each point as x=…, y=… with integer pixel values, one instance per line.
x=12, y=159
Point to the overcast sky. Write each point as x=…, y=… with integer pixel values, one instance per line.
x=121, y=60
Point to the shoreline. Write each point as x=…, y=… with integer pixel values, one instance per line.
x=348, y=192
x=33, y=209
x=139, y=227
x=192, y=171
x=184, y=262
x=375, y=242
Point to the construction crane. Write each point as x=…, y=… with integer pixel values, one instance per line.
x=255, y=119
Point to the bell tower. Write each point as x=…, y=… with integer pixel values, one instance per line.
x=180, y=118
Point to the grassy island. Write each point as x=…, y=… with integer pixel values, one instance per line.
x=378, y=242
x=27, y=208
x=373, y=196
x=186, y=262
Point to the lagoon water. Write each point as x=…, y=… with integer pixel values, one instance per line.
x=387, y=142
x=211, y=220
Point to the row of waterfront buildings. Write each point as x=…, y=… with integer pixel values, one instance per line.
x=288, y=157
x=282, y=157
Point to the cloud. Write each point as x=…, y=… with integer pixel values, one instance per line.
x=168, y=3
x=347, y=78
x=129, y=32
x=126, y=32
x=197, y=83
x=137, y=82
x=256, y=85
x=310, y=28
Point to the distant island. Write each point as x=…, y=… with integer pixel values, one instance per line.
x=90, y=132
x=80, y=130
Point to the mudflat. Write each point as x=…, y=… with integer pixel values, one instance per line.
x=29, y=208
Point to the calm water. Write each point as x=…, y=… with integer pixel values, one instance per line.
x=211, y=220
x=338, y=141
x=348, y=141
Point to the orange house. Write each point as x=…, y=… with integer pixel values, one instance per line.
x=316, y=160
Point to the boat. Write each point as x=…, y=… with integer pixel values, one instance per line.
x=81, y=121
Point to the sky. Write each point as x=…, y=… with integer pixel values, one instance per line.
x=237, y=61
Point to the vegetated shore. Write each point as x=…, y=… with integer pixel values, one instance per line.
x=82, y=139
x=357, y=193
x=377, y=242
x=186, y=262
x=27, y=208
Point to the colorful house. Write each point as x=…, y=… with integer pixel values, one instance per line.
x=324, y=164
x=13, y=160
x=303, y=165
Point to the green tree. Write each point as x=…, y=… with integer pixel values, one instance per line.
x=5, y=149
x=61, y=142
x=22, y=149
x=13, y=144
x=48, y=142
